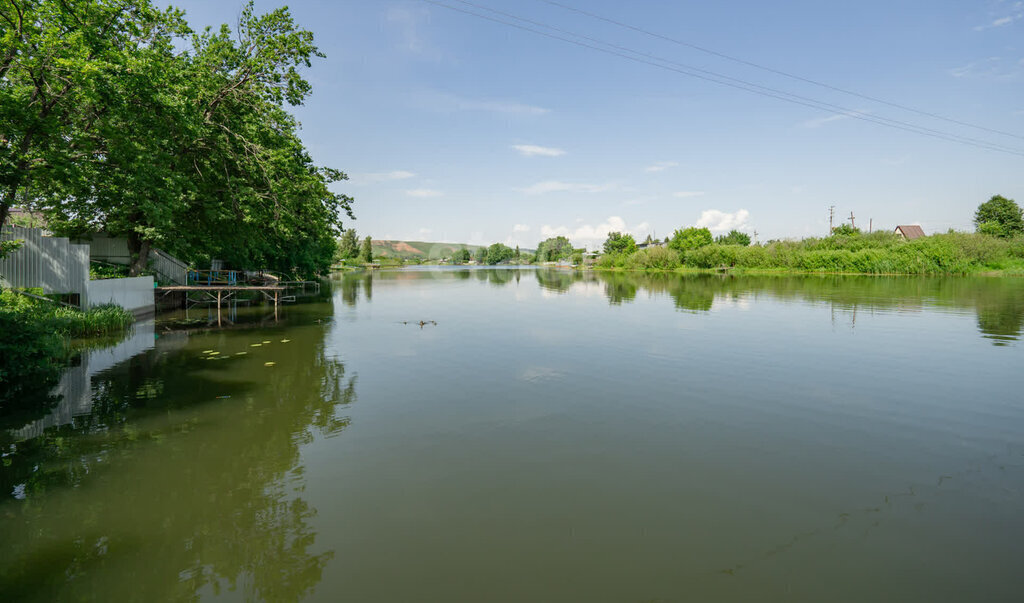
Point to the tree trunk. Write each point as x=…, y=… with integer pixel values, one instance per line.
x=138, y=250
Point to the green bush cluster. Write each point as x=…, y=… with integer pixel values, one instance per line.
x=32, y=340
x=876, y=253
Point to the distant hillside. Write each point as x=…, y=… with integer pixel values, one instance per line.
x=421, y=250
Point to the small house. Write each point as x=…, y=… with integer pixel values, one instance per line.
x=909, y=231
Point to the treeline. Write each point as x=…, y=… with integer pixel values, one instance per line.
x=116, y=116
x=998, y=245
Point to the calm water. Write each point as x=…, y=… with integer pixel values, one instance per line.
x=553, y=437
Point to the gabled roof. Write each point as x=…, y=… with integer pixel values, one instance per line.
x=910, y=231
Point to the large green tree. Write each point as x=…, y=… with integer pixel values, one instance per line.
x=734, y=237
x=348, y=247
x=499, y=253
x=620, y=243
x=554, y=249
x=999, y=216
x=166, y=137
x=690, y=238
x=366, y=250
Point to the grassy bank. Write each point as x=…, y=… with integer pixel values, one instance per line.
x=877, y=253
x=35, y=341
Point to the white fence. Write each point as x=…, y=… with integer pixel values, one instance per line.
x=53, y=263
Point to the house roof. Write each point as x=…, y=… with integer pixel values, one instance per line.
x=910, y=231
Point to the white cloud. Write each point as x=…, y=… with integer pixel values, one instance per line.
x=660, y=166
x=593, y=236
x=383, y=176
x=688, y=194
x=817, y=122
x=520, y=228
x=557, y=186
x=407, y=21
x=989, y=67
x=424, y=192
x=532, y=150
x=718, y=221
x=449, y=103
x=425, y=231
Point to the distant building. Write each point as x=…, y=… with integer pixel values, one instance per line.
x=909, y=231
x=651, y=244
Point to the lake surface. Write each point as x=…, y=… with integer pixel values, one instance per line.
x=544, y=435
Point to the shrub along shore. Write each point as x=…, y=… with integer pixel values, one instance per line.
x=36, y=341
x=876, y=253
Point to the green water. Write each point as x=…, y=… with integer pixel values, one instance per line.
x=555, y=436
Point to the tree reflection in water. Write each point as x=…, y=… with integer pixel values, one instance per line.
x=184, y=479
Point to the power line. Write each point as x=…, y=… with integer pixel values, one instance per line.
x=721, y=79
x=779, y=71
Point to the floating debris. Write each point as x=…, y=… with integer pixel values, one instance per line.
x=285, y=340
x=268, y=364
x=255, y=345
x=222, y=397
x=266, y=342
x=208, y=352
x=241, y=353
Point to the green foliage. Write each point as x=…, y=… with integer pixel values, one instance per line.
x=690, y=238
x=620, y=243
x=461, y=256
x=164, y=136
x=32, y=347
x=348, y=246
x=366, y=251
x=653, y=258
x=98, y=271
x=845, y=230
x=554, y=249
x=499, y=253
x=1000, y=217
x=734, y=237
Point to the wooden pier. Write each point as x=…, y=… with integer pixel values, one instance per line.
x=221, y=293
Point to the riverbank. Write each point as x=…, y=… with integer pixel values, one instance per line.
x=35, y=338
x=877, y=253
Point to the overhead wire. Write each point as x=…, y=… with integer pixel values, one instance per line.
x=779, y=71
x=718, y=78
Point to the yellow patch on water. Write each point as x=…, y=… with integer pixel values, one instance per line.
x=255, y=345
x=285, y=340
x=241, y=353
x=209, y=351
x=268, y=364
x=266, y=342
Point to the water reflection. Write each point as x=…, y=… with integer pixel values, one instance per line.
x=997, y=302
x=183, y=472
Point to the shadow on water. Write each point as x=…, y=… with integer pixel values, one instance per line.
x=182, y=472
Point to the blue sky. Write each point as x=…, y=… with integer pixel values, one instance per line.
x=455, y=128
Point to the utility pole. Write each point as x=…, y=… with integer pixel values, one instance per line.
x=831, y=214
x=851, y=220
x=755, y=237
x=871, y=224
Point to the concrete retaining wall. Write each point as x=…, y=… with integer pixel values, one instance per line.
x=133, y=294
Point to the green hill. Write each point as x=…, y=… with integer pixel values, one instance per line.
x=421, y=250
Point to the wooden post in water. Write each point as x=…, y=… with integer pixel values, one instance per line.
x=275, y=304
x=218, y=307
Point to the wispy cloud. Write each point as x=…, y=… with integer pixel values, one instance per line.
x=688, y=194
x=382, y=176
x=557, y=186
x=660, y=166
x=719, y=221
x=520, y=228
x=988, y=67
x=532, y=150
x=407, y=22
x=592, y=236
x=443, y=102
x=424, y=192
x=1011, y=13
x=817, y=122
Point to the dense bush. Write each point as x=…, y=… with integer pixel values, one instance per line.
x=32, y=346
x=876, y=253
x=657, y=258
